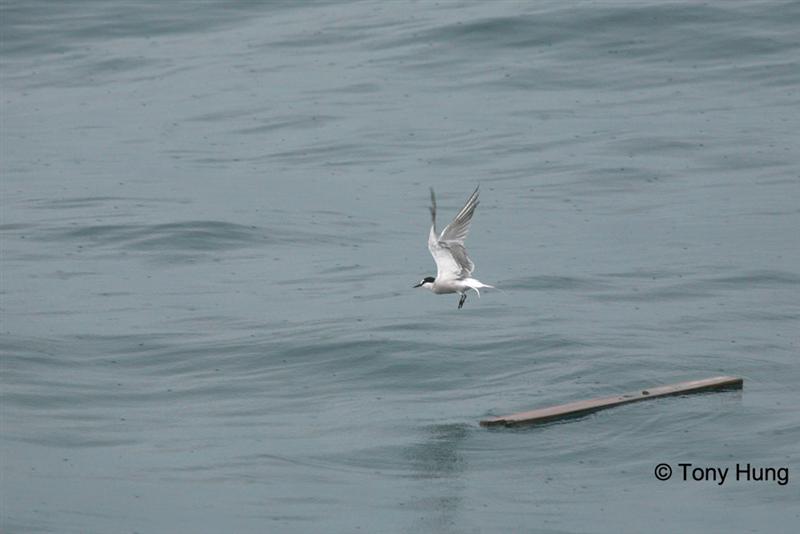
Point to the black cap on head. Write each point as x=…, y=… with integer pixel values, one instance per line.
x=428, y=279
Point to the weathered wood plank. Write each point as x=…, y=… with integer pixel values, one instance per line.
x=579, y=408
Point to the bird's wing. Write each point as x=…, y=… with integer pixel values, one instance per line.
x=432, y=237
x=452, y=261
x=458, y=229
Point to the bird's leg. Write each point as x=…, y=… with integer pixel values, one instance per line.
x=461, y=300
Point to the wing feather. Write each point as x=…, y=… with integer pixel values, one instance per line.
x=448, y=251
x=458, y=229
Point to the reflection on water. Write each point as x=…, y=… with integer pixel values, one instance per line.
x=438, y=456
x=438, y=461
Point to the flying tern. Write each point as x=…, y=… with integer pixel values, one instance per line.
x=453, y=266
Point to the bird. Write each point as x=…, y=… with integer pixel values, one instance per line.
x=453, y=266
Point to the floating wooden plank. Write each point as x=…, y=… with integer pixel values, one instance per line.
x=580, y=408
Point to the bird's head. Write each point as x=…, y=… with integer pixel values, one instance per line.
x=426, y=282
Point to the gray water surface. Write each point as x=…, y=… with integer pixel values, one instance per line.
x=212, y=214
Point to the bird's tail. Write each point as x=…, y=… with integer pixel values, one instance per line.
x=476, y=284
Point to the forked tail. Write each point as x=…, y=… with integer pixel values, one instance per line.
x=474, y=283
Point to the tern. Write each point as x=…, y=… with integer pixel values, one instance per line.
x=453, y=266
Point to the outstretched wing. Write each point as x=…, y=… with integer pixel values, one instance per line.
x=457, y=230
x=452, y=261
